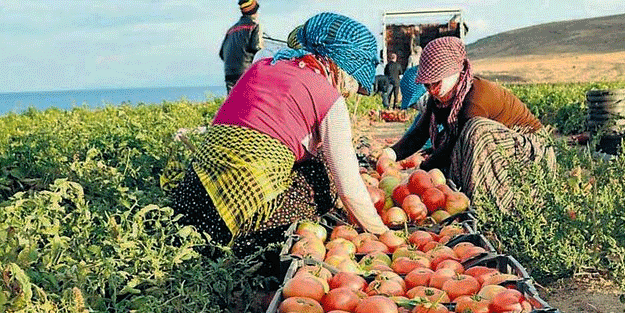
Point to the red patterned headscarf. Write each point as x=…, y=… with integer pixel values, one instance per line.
x=443, y=57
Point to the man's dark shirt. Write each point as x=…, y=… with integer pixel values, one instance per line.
x=240, y=44
x=381, y=83
x=393, y=70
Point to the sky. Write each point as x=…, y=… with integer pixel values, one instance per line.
x=68, y=45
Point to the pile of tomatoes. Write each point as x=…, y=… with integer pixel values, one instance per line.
x=402, y=193
x=398, y=271
x=390, y=115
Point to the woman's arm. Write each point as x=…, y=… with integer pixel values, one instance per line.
x=440, y=157
x=336, y=135
x=414, y=138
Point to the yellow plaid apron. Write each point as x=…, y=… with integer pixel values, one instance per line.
x=244, y=172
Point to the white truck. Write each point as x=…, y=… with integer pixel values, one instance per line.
x=404, y=30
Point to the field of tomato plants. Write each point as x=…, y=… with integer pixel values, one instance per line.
x=84, y=225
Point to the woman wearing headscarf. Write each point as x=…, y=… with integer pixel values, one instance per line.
x=259, y=168
x=484, y=126
x=412, y=93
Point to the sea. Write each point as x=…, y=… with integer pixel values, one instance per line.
x=18, y=102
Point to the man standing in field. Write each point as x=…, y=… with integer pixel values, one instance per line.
x=392, y=70
x=382, y=86
x=241, y=43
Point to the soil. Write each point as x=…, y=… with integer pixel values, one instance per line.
x=580, y=294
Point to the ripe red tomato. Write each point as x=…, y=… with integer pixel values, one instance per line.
x=445, y=189
x=431, y=245
x=404, y=265
x=488, y=292
x=461, y=248
x=471, y=252
x=378, y=197
x=418, y=277
x=440, y=253
x=429, y=293
x=478, y=271
x=390, y=275
x=451, y=230
x=400, y=193
x=362, y=238
x=393, y=239
x=419, y=238
x=414, y=207
x=373, y=246
x=430, y=307
x=433, y=198
x=451, y=263
x=461, y=285
x=340, y=299
x=344, y=231
x=387, y=288
x=309, y=247
x=315, y=270
x=473, y=304
x=376, y=304
x=507, y=301
x=439, y=277
x=300, y=304
x=419, y=181
x=304, y=285
x=352, y=281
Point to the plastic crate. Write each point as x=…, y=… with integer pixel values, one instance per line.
x=504, y=263
x=531, y=295
x=277, y=298
x=284, y=257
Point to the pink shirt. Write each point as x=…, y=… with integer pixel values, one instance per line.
x=283, y=100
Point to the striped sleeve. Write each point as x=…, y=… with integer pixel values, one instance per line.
x=335, y=131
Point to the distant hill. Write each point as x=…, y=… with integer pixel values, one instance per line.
x=592, y=35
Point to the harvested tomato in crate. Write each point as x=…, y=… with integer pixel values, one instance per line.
x=497, y=280
x=319, y=240
x=403, y=193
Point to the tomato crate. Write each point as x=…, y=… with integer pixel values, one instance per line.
x=531, y=295
x=293, y=265
x=502, y=263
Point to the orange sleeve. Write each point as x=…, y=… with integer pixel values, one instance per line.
x=489, y=100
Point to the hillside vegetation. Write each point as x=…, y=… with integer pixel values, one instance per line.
x=587, y=50
x=592, y=35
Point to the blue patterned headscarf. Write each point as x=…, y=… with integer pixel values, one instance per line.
x=411, y=91
x=347, y=42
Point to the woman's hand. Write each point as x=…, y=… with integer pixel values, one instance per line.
x=414, y=160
